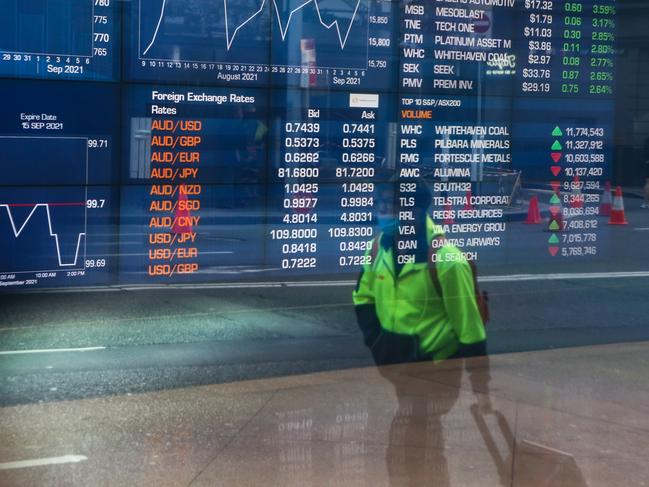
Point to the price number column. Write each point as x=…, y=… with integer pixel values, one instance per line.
x=331, y=145
x=539, y=48
x=573, y=69
x=602, y=52
x=299, y=172
x=588, y=37
x=356, y=186
x=579, y=154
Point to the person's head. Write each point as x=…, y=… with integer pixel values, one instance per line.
x=402, y=195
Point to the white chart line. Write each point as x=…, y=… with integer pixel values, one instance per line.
x=229, y=39
x=282, y=29
x=157, y=28
x=17, y=231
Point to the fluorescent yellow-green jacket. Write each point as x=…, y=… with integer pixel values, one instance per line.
x=409, y=304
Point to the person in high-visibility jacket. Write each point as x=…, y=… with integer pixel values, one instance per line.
x=399, y=309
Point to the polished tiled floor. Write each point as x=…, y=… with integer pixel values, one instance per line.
x=569, y=417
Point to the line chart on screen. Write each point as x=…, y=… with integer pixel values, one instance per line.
x=281, y=33
x=43, y=228
x=73, y=258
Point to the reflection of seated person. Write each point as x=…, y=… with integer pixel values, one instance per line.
x=407, y=308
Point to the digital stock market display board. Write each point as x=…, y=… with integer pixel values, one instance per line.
x=176, y=141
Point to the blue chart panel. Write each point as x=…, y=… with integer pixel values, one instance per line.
x=310, y=43
x=55, y=202
x=204, y=32
x=71, y=39
x=193, y=209
x=47, y=234
x=333, y=150
x=334, y=44
x=330, y=33
x=51, y=236
x=171, y=40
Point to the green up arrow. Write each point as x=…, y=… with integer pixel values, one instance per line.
x=554, y=225
x=555, y=200
x=553, y=239
x=557, y=132
x=557, y=146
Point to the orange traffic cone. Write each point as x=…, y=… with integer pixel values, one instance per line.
x=448, y=215
x=468, y=206
x=617, y=211
x=577, y=199
x=181, y=223
x=533, y=212
x=555, y=223
x=607, y=202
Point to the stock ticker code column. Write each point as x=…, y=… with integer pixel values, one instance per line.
x=454, y=47
x=456, y=81
x=443, y=141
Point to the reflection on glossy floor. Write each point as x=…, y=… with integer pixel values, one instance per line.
x=571, y=417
